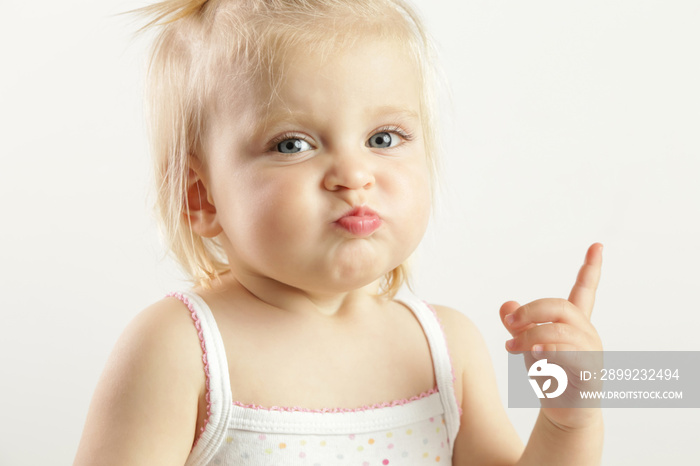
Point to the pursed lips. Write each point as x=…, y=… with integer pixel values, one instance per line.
x=360, y=221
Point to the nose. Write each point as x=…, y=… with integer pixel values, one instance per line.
x=349, y=171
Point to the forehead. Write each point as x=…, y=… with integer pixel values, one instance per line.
x=379, y=71
x=367, y=76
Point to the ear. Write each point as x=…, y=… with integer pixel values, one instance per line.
x=199, y=205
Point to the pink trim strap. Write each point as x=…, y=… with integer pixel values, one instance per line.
x=198, y=326
x=452, y=366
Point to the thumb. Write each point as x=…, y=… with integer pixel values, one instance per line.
x=583, y=293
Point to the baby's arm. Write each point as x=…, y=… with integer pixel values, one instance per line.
x=144, y=409
x=486, y=437
x=571, y=436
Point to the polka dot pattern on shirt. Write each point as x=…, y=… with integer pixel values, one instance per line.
x=420, y=441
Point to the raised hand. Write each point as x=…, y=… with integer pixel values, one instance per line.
x=555, y=325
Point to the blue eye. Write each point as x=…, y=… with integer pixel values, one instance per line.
x=384, y=140
x=293, y=146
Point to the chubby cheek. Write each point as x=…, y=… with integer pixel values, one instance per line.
x=410, y=201
x=278, y=211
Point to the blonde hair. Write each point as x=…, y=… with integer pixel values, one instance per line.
x=204, y=46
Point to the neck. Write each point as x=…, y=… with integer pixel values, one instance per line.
x=298, y=301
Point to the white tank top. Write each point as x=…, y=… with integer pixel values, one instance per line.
x=400, y=432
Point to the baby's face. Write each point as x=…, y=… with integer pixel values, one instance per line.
x=341, y=134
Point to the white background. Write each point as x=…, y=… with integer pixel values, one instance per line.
x=570, y=123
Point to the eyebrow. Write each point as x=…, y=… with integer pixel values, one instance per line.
x=276, y=117
x=402, y=113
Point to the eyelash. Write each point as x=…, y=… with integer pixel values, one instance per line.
x=405, y=135
x=283, y=137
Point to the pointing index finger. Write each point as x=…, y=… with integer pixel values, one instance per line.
x=583, y=293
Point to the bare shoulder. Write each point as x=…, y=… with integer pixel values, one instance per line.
x=464, y=340
x=486, y=435
x=144, y=410
x=163, y=339
x=459, y=329
x=164, y=329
